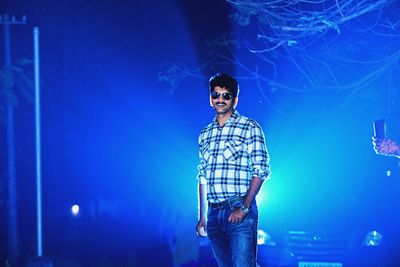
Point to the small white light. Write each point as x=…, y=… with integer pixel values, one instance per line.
x=75, y=210
x=372, y=239
x=388, y=173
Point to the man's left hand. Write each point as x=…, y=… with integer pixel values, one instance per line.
x=236, y=216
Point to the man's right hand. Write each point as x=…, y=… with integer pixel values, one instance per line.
x=386, y=147
x=201, y=228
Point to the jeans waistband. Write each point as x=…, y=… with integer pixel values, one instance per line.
x=225, y=203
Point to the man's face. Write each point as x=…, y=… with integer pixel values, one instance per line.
x=222, y=104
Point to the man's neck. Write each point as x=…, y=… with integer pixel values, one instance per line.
x=222, y=118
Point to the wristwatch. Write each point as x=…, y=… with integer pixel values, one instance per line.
x=244, y=208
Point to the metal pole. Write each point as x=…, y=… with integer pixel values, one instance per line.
x=38, y=145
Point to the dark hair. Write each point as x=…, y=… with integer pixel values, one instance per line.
x=224, y=80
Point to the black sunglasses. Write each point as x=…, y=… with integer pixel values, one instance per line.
x=226, y=96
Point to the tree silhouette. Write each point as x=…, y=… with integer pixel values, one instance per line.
x=322, y=52
x=15, y=82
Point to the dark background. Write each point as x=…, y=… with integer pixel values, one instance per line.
x=124, y=97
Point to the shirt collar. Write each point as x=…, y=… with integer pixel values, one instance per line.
x=234, y=116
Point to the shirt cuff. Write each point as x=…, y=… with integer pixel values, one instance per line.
x=262, y=174
x=202, y=180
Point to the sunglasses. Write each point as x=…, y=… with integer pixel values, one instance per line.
x=216, y=95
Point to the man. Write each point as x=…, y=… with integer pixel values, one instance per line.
x=233, y=166
x=386, y=147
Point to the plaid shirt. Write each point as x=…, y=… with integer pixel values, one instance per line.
x=230, y=156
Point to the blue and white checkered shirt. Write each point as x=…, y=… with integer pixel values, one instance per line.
x=230, y=156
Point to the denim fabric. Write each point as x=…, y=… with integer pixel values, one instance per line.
x=234, y=245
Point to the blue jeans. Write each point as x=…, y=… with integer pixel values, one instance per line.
x=234, y=245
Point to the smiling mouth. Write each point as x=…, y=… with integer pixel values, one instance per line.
x=220, y=104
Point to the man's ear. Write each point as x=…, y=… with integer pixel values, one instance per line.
x=235, y=101
x=211, y=103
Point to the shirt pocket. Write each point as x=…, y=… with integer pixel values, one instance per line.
x=234, y=149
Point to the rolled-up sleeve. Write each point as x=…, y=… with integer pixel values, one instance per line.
x=201, y=168
x=258, y=153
